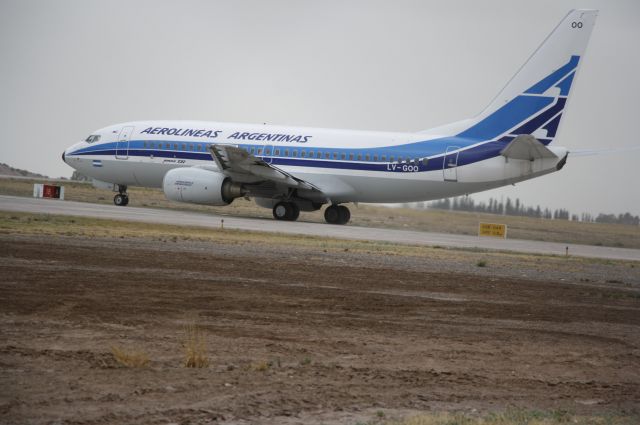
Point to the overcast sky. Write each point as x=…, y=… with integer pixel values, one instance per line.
x=70, y=67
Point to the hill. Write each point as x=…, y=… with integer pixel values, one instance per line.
x=7, y=170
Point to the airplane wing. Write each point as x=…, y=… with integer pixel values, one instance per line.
x=245, y=167
x=528, y=148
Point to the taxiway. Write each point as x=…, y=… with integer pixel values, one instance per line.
x=188, y=218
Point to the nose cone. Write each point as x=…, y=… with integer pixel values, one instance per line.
x=63, y=159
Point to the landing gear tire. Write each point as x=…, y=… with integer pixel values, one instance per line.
x=121, y=200
x=337, y=214
x=345, y=214
x=287, y=211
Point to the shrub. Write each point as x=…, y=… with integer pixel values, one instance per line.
x=194, y=346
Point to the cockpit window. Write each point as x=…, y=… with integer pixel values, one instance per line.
x=93, y=138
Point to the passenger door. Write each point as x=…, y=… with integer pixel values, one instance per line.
x=122, y=147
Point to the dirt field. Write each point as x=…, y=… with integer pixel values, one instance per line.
x=307, y=335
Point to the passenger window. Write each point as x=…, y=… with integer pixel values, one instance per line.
x=303, y=154
x=252, y=151
x=383, y=158
x=286, y=152
x=359, y=157
x=277, y=152
x=335, y=155
x=152, y=144
x=367, y=157
x=318, y=154
x=390, y=159
x=259, y=151
x=175, y=146
x=167, y=146
x=327, y=155
x=267, y=151
x=295, y=154
x=343, y=156
x=350, y=157
x=184, y=147
x=144, y=144
x=375, y=158
x=191, y=147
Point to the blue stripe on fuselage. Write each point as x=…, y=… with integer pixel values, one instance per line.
x=469, y=156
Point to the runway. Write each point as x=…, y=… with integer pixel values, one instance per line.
x=165, y=216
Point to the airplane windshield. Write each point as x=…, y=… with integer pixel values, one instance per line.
x=93, y=138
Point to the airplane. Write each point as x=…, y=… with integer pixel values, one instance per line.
x=293, y=169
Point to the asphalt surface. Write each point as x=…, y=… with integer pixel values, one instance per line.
x=165, y=216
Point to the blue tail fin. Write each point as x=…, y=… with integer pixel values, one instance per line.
x=535, y=99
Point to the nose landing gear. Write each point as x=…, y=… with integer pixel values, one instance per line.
x=121, y=199
x=337, y=214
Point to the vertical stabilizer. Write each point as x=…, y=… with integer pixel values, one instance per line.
x=552, y=67
x=534, y=100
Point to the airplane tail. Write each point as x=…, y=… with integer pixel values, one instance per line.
x=534, y=100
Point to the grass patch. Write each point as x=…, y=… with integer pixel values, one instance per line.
x=306, y=361
x=481, y=263
x=42, y=225
x=130, y=358
x=195, y=348
x=261, y=366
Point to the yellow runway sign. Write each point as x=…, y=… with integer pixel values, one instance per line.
x=493, y=229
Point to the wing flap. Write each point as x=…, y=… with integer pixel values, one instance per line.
x=237, y=161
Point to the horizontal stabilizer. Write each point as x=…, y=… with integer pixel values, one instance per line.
x=528, y=148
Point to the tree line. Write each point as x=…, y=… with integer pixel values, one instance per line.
x=511, y=207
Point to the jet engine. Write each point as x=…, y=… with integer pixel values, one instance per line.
x=200, y=186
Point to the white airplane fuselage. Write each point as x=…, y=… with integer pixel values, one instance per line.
x=361, y=166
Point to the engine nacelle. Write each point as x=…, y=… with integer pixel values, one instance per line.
x=200, y=186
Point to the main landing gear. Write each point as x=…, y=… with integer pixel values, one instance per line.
x=287, y=211
x=337, y=214
x=121, y=199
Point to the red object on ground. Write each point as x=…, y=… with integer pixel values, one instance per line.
x=51, y=191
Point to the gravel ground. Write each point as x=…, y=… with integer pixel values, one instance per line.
x=307, y=336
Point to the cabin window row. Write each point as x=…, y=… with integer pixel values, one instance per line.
x=331, y=155
x=293, y=153
x=175, y=146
